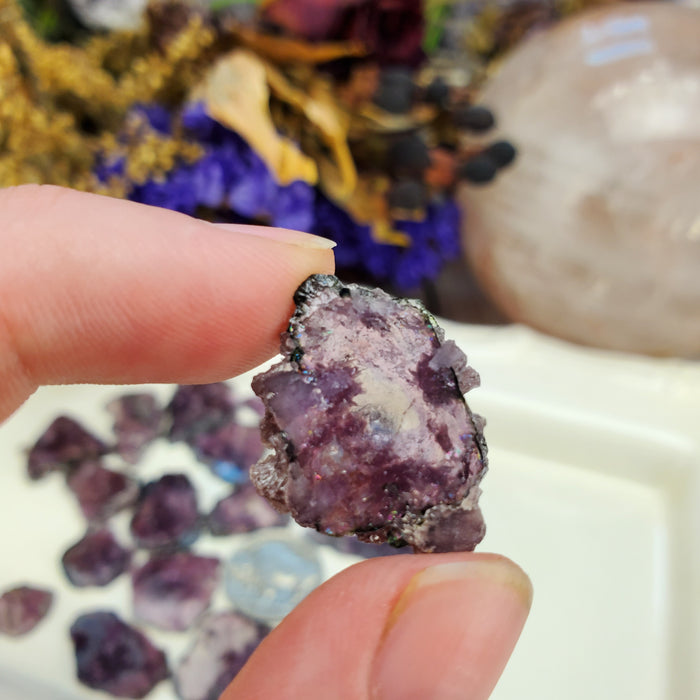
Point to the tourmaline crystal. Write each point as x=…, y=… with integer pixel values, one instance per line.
x=115, y=657
x=65, y=442
x=96, y=560
x=166, y=514
x=101, y=492
x=244, y=510
x=199, y=408
x=22, y=609
x=223, y=645
x=369, y=428
x=171, y=592
x=138, y=420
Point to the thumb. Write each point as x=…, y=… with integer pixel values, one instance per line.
x=400, y=628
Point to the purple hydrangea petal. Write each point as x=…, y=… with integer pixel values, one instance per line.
x=166, y=514
x=171, y=592
x=96, y=560
x=65, y=442
x=114, y=657
x=22, y=609
x=224, y=643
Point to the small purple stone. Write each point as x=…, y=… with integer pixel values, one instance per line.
x=95, y=560
x=223, y=645
x=231, y=450
x=65, y=442
x=368, y=423
x=115, y=657
x=200, y=408
x=22, y=609
x=171, y=592
x=138, y=420
x=166, y=513
x=101, y=492
x=244, y=510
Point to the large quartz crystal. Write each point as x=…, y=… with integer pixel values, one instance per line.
x=594, y=234
x=369, y=428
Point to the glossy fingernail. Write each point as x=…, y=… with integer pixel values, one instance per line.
x=451, y=631
x=305, y=240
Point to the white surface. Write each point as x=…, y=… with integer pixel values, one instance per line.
x=594, y=488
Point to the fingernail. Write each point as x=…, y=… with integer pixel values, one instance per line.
x=451, y=631
x=305, y=240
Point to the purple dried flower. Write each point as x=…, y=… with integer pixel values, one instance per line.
x=101, y=492
x=225, y=642
x=244, y=510
x=171, y=592
x=137, y=422
x=65, y=442
x=95, y=560
x=166, y=514
x=115, y=657
x=22, y=609
x=367, y=419
x=200, y=408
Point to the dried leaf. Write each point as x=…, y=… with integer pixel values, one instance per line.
x=236, y=94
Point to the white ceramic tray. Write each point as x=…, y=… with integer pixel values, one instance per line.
x=594, y=488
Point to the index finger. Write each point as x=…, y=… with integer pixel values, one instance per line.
x=95, y=289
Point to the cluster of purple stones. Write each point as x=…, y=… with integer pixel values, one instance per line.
x=172, y=588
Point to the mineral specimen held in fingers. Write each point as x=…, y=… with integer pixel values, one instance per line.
x=369, y=428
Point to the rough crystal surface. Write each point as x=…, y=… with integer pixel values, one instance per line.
x=223, y=645
x=22, y=609
x=101, y=492
x=171, y=592
x=166, y=514
x=244, y=510
x=369, y=428
x=138, y=419
x=65, y=442
x=200, y=408
x=115, y=657
x=96, y=560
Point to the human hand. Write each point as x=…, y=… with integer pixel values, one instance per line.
x=99, y=290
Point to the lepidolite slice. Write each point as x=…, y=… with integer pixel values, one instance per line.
x=367, y=421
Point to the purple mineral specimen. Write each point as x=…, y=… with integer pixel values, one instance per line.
x=171, y=592
x=166, y=513
x=224, y=644
x=115, y=657
x=65, y=442
x=101, y=492
x=231, y=450
x=367, y=419
x=22, y=609
x=244, y=510
x=138, y=420
x=96, y=560
x=200, y=408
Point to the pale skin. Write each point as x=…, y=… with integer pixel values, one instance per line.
x=100, y=290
